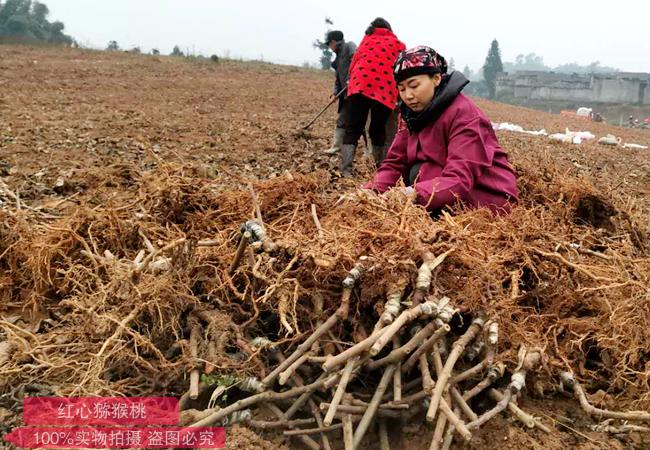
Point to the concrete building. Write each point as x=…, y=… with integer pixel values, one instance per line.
x=615, y=88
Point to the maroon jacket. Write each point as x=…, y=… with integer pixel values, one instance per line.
x=460, y=158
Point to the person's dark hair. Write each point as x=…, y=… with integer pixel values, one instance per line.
x=379, y=22
x=334, y=35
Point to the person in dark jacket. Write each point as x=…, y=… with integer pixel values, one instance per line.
x=371, y=91
x=448, y=152
x=344, y=52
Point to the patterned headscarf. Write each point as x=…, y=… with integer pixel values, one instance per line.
x=418, y=60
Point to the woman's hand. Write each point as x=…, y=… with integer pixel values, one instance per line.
x=359, y=194
x=408, y=191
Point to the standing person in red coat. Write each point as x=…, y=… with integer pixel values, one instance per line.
x=371, y=90
x=448, y=153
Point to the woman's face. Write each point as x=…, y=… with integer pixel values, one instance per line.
x=417, y=91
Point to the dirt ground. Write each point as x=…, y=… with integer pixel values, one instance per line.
x=72, y=122
x=69, y=112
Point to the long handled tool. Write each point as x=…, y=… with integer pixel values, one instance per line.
x=311, y=122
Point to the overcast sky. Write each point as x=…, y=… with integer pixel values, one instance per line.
x=562, y=31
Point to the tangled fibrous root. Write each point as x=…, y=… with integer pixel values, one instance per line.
x=189, y=286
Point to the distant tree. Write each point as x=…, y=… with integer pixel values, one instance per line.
x=27, y=19
x=531, y=61
x=12, y=13
x=519, y=60
x=468, y=72
x=492, y=67
x=594, y=67
x=56, y=34
x=136, y=50
x=155, y=51
x=17, y=25
x=325, y=60
x=534, y=60
x=40, y=11
x=452, y=65
x=177, y=51
x=113, y=46
x=476, y=88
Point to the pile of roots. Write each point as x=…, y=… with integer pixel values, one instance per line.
x=333, y=311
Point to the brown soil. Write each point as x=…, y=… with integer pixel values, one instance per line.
x=241, y=438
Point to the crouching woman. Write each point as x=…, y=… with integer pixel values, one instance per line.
x=448, y=153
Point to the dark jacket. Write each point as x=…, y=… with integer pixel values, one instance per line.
x=341, y=64
x=455, y=154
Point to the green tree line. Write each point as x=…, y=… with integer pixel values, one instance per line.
x=28, y=20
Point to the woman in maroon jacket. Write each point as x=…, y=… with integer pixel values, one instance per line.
x=371, y=90
x=448, y=153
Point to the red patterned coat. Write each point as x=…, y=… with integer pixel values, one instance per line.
x=371, y=71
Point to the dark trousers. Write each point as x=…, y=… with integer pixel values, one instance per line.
x=344, y=112
x=360, y=107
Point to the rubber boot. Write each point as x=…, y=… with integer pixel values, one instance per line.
x=339, y=133
x=347, y=159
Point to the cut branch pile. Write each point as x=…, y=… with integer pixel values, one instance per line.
x=235, y=300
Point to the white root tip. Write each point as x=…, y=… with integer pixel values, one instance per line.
x=517, y=382
x=252, y=384
x=567, y=380
x=353, y=276
x=256, y=230
x=493, y=333
x=238, y=417
x=262, y=342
